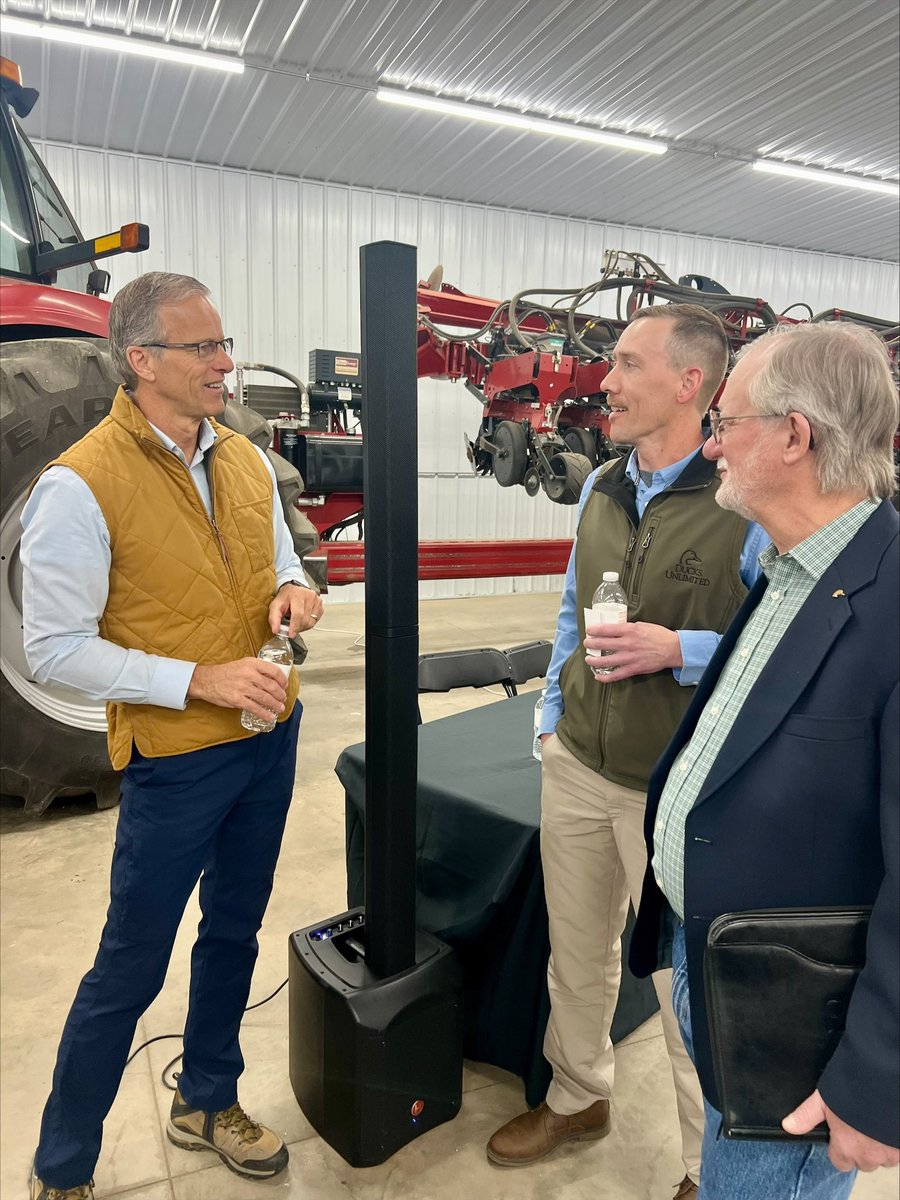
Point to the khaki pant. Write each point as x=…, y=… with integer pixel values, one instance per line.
x=594, y=857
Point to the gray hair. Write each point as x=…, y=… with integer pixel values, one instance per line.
x=134, y=315
x=698, y=339
x=838, y=376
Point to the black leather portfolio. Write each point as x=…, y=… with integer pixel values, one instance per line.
x=778, y=983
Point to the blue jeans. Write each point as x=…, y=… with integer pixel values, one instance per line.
x=739, y=1170
x=218, y=814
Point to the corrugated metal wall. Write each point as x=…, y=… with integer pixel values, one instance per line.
x=281, y=256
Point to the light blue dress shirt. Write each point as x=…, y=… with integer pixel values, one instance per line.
x=65, y=554
x=697, y=645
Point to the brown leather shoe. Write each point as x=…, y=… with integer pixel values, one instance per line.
x=533, y=1135
x=687, y=1189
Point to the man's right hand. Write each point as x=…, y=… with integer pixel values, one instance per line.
x=247, y=683
x=544, y=737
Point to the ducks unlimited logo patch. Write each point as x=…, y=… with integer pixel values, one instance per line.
x=688, y=569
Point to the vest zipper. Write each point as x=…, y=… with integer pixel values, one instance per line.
x=210, y=458
x=210, y=516
x=626, y=581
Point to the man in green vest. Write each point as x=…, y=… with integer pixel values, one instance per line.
x=156, y=562
x=685, y=565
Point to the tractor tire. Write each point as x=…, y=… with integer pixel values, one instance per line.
x=249, y=422
x=53, y=742
x=581, y=441
x=52, y=392
x=569, y=474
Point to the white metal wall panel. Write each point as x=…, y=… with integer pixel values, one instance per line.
x=281, y=256
x=814, y=81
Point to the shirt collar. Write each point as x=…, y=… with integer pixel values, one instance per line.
x=661, y=478
x=816, y=553
x=207, y=435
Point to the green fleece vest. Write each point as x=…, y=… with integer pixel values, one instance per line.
x=679, y=567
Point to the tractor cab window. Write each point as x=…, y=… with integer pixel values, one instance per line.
x=57, y=228
x=15, y=240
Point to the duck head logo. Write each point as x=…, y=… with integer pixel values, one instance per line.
x=689, y=569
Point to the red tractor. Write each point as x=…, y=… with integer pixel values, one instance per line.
x=56, y=383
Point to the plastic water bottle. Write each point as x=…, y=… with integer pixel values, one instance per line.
x=277, y=650
x=609, y=607
x=536, y=747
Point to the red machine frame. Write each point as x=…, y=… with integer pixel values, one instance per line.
x=550, y=391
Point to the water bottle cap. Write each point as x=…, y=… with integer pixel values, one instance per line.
x=284, y=628
x=610, y=576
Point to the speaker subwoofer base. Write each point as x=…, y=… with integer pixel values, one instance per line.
x=374, y=1063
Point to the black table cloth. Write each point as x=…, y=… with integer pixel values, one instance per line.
x=479, y=882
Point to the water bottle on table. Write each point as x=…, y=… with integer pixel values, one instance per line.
x=277, y=650
x=608, y=607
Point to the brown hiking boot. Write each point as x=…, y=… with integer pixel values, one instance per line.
x=535, y=1134
x=246, y=1148
x=43, y=1191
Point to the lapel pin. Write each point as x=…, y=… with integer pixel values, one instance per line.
x=839, y=592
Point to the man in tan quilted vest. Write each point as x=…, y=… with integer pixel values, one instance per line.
x=685, y=566
x=156, y=562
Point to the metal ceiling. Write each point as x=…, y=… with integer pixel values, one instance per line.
x=811, y=80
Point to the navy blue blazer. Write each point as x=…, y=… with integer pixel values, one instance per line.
x=801, y=809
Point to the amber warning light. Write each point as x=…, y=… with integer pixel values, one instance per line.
x=131, y=238
x=10, y=70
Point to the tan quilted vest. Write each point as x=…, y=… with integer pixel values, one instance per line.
x=180, y=586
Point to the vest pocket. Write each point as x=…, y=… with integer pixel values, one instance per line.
x=252, y=524
x=640, y=555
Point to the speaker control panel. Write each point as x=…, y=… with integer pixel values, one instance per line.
x=352, y=922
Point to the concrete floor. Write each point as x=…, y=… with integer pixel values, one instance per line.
x=54, y=892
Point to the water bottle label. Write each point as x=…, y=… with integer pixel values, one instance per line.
x=605, y=614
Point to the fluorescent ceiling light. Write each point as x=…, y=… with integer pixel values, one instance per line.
x=121, y=44
x=820, y=175
x=514, y=120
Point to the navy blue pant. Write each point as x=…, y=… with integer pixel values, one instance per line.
x=216, y=815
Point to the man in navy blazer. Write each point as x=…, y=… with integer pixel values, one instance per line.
x=780, y=787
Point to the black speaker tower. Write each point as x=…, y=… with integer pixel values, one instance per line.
x=375, y=1003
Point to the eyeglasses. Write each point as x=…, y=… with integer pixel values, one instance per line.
x=203, y=349
x=717, y=421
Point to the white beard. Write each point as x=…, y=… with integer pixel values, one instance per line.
x=738, y=495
